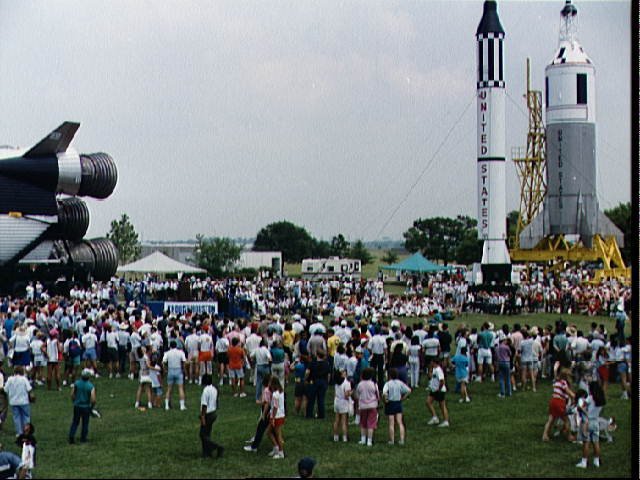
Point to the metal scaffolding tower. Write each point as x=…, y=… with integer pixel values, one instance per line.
x=530, y=163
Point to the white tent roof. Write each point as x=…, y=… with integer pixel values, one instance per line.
x=158, y=262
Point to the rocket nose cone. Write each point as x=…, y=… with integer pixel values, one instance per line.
x=490, y=22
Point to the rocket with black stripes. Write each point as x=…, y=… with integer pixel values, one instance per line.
x=492, y=227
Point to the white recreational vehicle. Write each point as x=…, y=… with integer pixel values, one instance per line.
x=319, y=268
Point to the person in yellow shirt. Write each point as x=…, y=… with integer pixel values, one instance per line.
x=333, y=341
x=288, y=337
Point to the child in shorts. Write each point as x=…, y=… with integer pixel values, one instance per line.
x=155, y=372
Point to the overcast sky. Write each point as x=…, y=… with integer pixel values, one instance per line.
x=225, y=116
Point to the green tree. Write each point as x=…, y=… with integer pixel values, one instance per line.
x=125, y=238
x=339, y=246
x=216, y=255
x=321, y=249
x=621, y=217
x=359, y=251
x=439, y=238
x=293, y=241
x=512, y=224
x=469, y=249
x=390, y=257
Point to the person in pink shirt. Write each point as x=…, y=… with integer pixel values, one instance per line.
x=368, y=396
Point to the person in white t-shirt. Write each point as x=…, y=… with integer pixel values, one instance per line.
x=437, y=391
x=205, y=355
x=54, y=349
x=208, y=415
x=277, y=418
x=192, y=344
x=39, y=359
x=89, y=343
x=174, y=359
x=341, y=405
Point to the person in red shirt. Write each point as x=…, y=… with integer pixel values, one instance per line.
x=236, y=356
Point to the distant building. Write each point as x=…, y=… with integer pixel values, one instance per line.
x=318, y=268
x=258, y=260
x=181, y=251
x=185, y=252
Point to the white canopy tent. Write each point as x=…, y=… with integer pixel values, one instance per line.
x=159, y=263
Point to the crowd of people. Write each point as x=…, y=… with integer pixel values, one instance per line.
x=314, y=335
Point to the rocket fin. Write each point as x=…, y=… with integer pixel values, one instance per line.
x=56, y=142
x=535, y=231
x=606, y=228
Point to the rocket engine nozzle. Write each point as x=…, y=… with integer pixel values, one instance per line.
x=99, y=256
x=99, y=175
x=73, y=219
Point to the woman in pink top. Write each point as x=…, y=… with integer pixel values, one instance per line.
x=368, y=396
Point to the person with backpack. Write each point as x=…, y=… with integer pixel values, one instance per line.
x=72, y=355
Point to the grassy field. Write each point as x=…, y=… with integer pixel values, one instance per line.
x=489, y=437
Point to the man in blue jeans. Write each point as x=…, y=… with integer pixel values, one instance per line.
x=83, y=394
x=18, y=390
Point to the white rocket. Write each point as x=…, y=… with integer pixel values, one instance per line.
x=496, y=263
x=571, y=204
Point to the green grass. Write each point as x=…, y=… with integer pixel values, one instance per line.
x=489, y=437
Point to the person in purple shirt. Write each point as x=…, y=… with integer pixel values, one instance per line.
x=503, y=353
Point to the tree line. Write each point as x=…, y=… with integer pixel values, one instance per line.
x=450, y=240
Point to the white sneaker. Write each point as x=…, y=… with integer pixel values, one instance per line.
x=468, y=399
x=444, y=424
x=221, y=383
x=64, y=383
x=249, y=448
x=596, y=462
x=272, y=453
x=183, y=408
x=251, y=440
x=117, y=375
x=362, y=442
x=278, y=456
x=136, y=405
x=149, y=405
x=242, y=395
x=581, y=464
x=434, y=421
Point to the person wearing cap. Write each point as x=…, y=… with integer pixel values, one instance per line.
x=621, y=318
x=124, y=347
x=83, y=395
x=305, y=467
